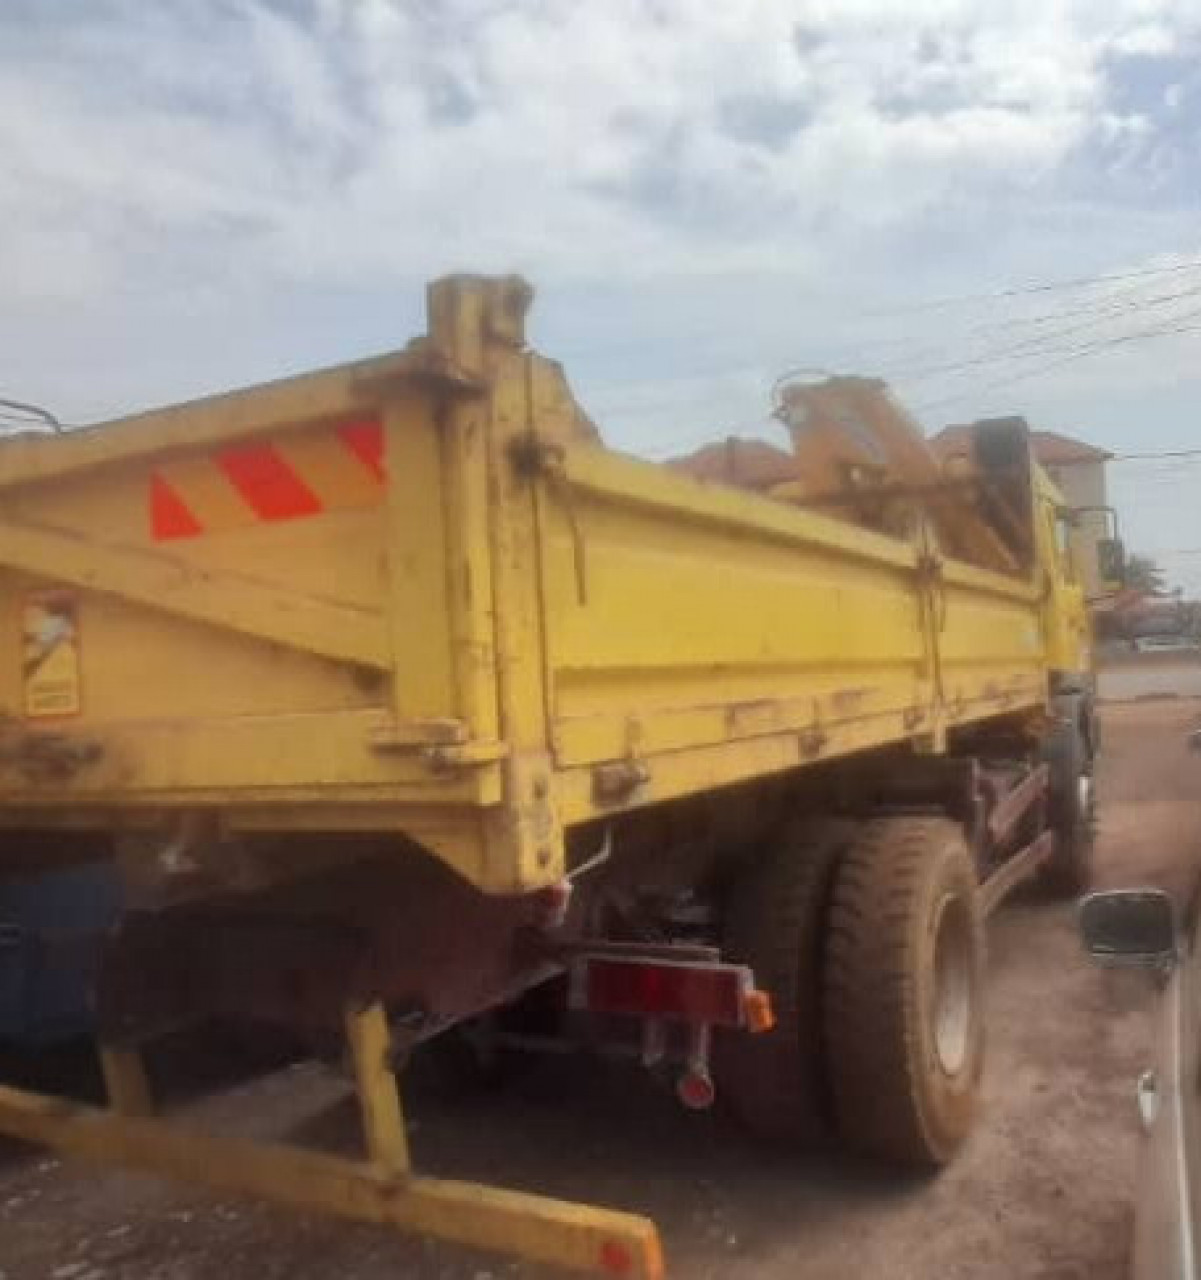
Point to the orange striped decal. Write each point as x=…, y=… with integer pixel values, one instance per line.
x=365, y=440
x=301, y=474
x=267, y=484
x=169, y=517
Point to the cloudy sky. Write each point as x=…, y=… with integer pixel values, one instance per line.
x=705, y=194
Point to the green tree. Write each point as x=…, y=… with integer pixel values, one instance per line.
x=1143, y=574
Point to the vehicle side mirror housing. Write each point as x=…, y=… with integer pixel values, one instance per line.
x=1111, y=563
x=1129, y=928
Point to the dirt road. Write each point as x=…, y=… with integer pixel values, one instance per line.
x=1042, y=1189
x=1127, y=677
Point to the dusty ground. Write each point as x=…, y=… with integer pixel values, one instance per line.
x=1042, y=1190
x=1129, y=676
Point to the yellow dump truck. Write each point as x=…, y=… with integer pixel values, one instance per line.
x=396, y=696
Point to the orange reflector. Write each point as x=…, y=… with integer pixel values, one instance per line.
x=636, y=1254
x=760, y=1016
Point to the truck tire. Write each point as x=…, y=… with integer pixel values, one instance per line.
x=904, y=977
x=1072, y=808
x=774, y=1082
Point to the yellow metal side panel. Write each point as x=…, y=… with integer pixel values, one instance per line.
x=688, y=631
x=140, y=661
x=714, y=636
x=469, y=569
x=318, y=757
x=191, y=683
x=677, y=773
x=990, y=640
x=529, y=830
x=1066, y=618
x=986, y=618
x=325, y=395
x=139, y=664
x=336, y=554
x=416, y=551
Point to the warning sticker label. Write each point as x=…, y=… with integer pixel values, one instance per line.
x=50, y=656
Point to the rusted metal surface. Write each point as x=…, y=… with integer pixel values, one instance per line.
x=950, y=783
x=850, y=437
x=1014, y=871
x=617, y=782
x=434, y=949
x=44, y=757
x=1015, y=804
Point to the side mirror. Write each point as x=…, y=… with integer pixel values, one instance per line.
x=1111, y=563
x=1134, y=928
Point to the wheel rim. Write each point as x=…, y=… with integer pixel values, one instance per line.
x=954, y=985
x=1084, y=795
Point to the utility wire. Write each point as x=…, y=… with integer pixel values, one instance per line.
x=1154, y=456
x=1025, y=350
x=1044, y=343
x=1079, y=353
x=1080, y=282
x=1128, y=297
x=871, y=354
x=927, y=359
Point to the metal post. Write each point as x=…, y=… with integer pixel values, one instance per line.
x=126, y=1081
x=379, y=1098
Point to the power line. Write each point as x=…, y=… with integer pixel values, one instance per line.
x=926, y=359
x=1081, y=282
x=1078, y=354
x=1044, y=343
x=1118, y=302
x=1154, y=456
x=867, y=349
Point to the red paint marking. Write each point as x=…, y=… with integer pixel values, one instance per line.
x=267, y=483
x=169, y=514
x=615, y=1257
x=365, y=439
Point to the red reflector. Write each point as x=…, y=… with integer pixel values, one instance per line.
x=710, y=993
x=616, y=1258
x=696, y=1090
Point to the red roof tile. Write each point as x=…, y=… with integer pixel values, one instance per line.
x=751, y=464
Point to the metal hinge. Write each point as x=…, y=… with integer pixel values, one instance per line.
x=617, y=782
x=444, y=745
x=534, y=457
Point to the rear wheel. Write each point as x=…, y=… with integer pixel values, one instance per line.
x=774, y=1082
x=903, y=991
x=1072, y=803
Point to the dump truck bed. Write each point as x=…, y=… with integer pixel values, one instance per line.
x=415, y=595
x=268, y=651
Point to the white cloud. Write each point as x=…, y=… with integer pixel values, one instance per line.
x=198, y=195
x=575, y=140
